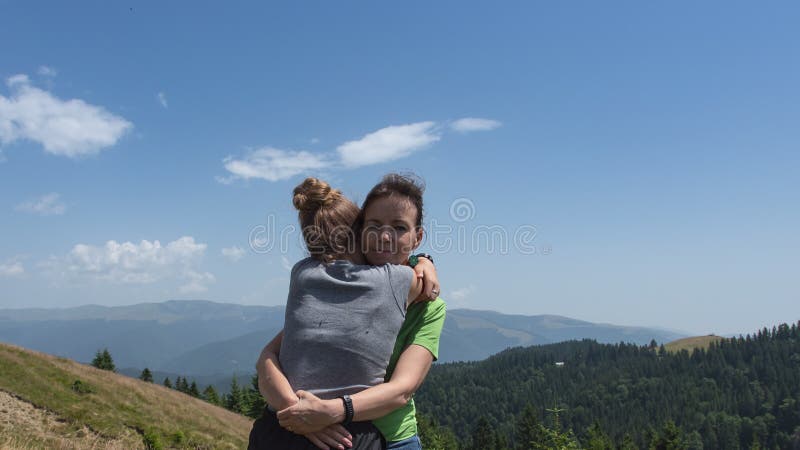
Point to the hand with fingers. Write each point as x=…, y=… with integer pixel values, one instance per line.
x=331, y=437
x=424, y=269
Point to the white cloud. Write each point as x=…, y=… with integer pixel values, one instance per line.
x=46, y=205
x=234, y=253
x=468, y=124
x=196, y=282
x=387, y=144
x=71, y=128
x=162, y=99
x=129, y=263
x=272, y=164
x=18, y=79
x=384, y=145
x=11, y=269
x=461, y=294
x=47, y=71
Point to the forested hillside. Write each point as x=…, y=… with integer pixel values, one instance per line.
x=739, y=393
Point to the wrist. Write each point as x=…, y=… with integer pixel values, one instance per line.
x=334, y=409
x=284, y=403
x=413, y=260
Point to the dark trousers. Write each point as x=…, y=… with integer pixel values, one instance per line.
x=267, y=434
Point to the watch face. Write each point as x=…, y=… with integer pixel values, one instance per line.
x=413, y=260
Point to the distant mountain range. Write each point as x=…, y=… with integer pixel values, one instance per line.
x=204, y=339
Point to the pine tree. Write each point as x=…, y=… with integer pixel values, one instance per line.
x=182, y=385
x=102, y=360
x=233, y=401
x=210, y=395
x=483, y=436
x=146, y=376
x=670, y=438
x=598, y=440
x=255, y=402
x=527, y=429
x=193, y=391
x=167, y=383
x=433, y=436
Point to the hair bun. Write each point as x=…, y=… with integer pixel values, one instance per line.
x=313, y=194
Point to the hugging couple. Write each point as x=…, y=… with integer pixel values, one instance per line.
x=362, y=327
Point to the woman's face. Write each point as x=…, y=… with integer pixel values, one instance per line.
x=390, y=233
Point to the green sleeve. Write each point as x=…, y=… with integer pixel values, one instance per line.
x=423, y=326
x=430, y=329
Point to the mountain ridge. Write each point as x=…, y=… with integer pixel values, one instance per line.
x=202, y=338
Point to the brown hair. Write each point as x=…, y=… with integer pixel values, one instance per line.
x=326, y=217
x=409, y=186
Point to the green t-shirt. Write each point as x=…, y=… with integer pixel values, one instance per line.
x=423, y=326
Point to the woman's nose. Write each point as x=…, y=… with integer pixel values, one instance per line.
x=386, y=235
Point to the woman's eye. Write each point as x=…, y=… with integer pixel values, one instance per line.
x=400, y=229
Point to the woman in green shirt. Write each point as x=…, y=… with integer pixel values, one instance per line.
x=390, y=225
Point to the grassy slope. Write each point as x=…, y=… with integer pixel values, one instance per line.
x=691, y=343
x=119, y=408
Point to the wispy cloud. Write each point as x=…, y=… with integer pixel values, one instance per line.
x=463, y=293
x=71, y=128
x=46, y=205
x=234, y=253
x=272, y=164
x=388, y=144
x=12, y=269
x=47, y=71
x=381, y=146
x=285, y=263
x=469, y=124
x=197, y=282
x=162, y=99
x=129, y=263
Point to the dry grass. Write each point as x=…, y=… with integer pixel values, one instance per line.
x=24, y=426
x=691, y=343
x=46, y=412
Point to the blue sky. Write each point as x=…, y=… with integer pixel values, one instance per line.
x=639, y=160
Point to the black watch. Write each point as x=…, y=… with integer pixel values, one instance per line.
x=348, y=409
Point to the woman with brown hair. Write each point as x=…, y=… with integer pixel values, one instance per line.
x=342, y=324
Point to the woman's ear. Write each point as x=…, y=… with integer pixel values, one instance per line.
x=420, y=235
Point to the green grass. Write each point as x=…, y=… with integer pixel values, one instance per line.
x=112, y=406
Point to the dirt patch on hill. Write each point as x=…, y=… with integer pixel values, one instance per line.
x=24, y=426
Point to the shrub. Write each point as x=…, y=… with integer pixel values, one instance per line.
x=82, y=388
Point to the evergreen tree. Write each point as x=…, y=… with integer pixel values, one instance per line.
x=670, y=438
x=628, y=443
x=210, y=395
x=193, y=391
x=598, y=440
x=146, y=376
x=167, y=383
x=233, y=401
x=527, y=429
x=102, y=360
x=433, y=436
x=182, y=385
x=483, y=436
x=254, y=401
